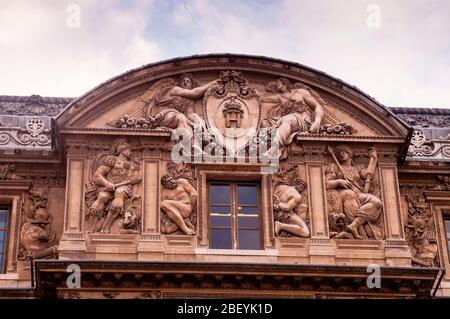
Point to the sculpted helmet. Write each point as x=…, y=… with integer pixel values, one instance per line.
x=120, y=145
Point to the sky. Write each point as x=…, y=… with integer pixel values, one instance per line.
x=397, y=51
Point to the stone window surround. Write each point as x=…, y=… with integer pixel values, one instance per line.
x=234, y=225
x=217, y=175
x=442, y=211
x=13, y=201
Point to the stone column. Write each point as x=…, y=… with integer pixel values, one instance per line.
x=72, y=241
x=397, y=252
x=150, y=244
x=321, y=250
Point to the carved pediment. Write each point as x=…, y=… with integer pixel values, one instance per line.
x=152, y=98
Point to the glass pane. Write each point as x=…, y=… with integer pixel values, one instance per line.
x=2, y=239
x=3, y=216
x=219, y=194
x=1, y=263
x=249, y=239
x=220, y=210
x=221, y=221
x=220, y=238
x=447, y=226
x=248, y=222
x=247, y=210
x=247, y=194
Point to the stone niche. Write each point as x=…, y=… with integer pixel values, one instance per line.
x=327, y=177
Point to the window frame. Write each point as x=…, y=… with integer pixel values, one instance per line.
x=446, y=217
x=233, y=204
x=6, y=229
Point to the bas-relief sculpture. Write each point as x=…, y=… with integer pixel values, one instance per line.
x=420, y=233
x=8, y=172
x=355, y=209
x=290, y=114
x=178, y=201
x=170, y=104
x=290, y=211
x=231, y=105
x=111, y=193
x=232, y=111
x=37, y=238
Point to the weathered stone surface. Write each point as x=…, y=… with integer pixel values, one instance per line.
x=123, y=173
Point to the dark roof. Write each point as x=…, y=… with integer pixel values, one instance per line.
x=51, y=106
x=429, y=118
x=32, y=105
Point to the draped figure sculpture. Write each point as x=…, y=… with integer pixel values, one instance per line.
x=175, y=103
x=352, y=186
x=290, y=115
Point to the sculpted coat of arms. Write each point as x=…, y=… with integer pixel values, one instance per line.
x=232, y=111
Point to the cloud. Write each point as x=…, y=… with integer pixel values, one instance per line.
x=406, y=62
x=41, y=54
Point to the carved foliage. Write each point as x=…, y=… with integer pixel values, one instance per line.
x=420, y=234
x=337, y=129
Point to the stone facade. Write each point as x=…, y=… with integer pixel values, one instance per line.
x=120, y=182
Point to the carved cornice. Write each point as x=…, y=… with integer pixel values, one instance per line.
x=423, y=149
x=117, y=131
x=231, y=278
x=32, y=105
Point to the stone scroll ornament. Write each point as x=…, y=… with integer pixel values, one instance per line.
x=37, y=238
x=420, y=234
x=354, y=205
x=178, y=200
x=289, y=208
x=114, y=206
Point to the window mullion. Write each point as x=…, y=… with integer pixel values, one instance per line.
x=234, y=215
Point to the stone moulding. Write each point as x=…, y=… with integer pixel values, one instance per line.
x=230, y=278
x=25, y=132
x=424, y=149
